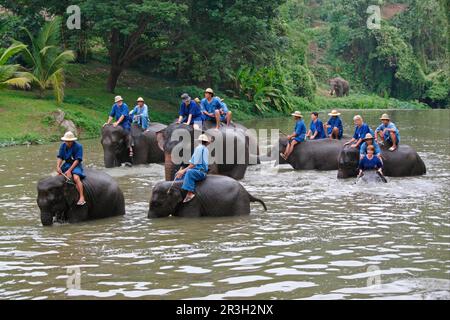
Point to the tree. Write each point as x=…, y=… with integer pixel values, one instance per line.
x=132, y=30
x=47, y=59
x=9, y=73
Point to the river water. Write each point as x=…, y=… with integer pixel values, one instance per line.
x=320, y=239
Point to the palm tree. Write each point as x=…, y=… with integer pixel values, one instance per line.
x=9, y=73
x=47, y=59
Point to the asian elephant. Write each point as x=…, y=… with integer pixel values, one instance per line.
x=404, y=162
x=217, y=196
x=57, y=198
x=145, y=149
x=232, y=156
x=372, y=176
x=313, y=154
x=339, y=86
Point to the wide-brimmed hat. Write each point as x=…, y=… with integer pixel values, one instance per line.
x=117, y=99
x=368, y=137
x=209, y=90
x=203, y=137
x=385, y=117
x=185, y=97
x=297, y=114
x=140, y=99
x=69, y=136
x=334, y=113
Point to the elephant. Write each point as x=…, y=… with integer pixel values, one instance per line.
x=234, y=168
x=217, y=196
x=57, y=198
x=404, y=162
x=372, y=176
x=145, y=148
x=339, y=86
x=319, y=155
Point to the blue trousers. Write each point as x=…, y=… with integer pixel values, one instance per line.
x=191, y=177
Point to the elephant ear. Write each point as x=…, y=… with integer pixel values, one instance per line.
x=160, y=137
x=70, y=193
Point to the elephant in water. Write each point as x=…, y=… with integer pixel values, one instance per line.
x=217, y=196
x=57, y=198
x=339, y=86
x=313, y=154
x=404, y=162
x=145, y=148
x=232, y=156
x=372, y=176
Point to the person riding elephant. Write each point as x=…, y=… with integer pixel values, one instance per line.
x=339, y=86
x=406, y=162
x=369, y=141
x=213, y=109
x=361, y=130
x=217, y=196
x=146, y=149
x=334, y=127
x=139, y=114
x=316, y=129
x=57, y=198
x=230, y=146
x=120, y=113
x=297, y=137
x=190, y=112
x=388, y=133
x=69, y=163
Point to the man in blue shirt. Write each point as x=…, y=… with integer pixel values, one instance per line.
x=140, y=114
x=197, y=169
x=361, y=130
x=370, y=162
x=334, y=126
x=190, y=112
x=316, y=129
x=70, y=156
x=388, y=132
x=299, y=135
x=211, y=107
x=225, y=114
x=119, y=113
x=369, y=140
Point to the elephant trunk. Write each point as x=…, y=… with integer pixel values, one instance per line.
x=46, y=218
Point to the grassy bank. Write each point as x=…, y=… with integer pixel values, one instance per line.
x=27, y=119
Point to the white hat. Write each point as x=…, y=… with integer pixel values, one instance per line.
x=117, y=99
x=209, y=90
x=69, y=136
x=385, y=117
x=368, y=137
x=140, y=99
x=334, y=113
x=203, y=137
x=297, y=114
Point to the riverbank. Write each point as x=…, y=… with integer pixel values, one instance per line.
x=27, y=119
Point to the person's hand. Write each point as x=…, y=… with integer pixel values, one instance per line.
x=69, y=174
x=179, y=174
x=115, y=124
x=354, y=146
x=347, y=143
x=58, y=170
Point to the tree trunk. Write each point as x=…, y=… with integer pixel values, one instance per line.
x=113, y=77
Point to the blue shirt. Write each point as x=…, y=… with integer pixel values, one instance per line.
x=212, y=106
x=224, y=107
x=71, y=154
x=200, y=158
x=300, y=130
x=370, y=164
x=360, y=132
x=336, y=122
x=117, y=112
x=387, y=136
x=363, y=149
x=192, y=108
x=141, y=115
x=317, y=127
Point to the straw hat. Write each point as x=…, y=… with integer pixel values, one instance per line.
x=69, y=136
x=334, y=113
x=209, y=90
x=297, y=114
x=385, y=117
x=203, y=137
x=117, y=99
x=368, y=137
x=185, y=97
x=140, y=99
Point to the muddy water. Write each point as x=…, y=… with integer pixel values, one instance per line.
x=320, y=239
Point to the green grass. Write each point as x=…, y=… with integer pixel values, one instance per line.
x=28, y=119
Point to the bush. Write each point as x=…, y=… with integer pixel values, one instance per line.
x=304, y=82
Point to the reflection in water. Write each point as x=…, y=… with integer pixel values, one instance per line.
x=321, y=238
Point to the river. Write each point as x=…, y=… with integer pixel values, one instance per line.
x=320, y=239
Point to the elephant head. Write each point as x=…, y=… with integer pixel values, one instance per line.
x=348, y=163
x=165, y=199
x=114, y=146
x=56, y=197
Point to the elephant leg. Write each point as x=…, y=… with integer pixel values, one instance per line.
x=77, y=214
